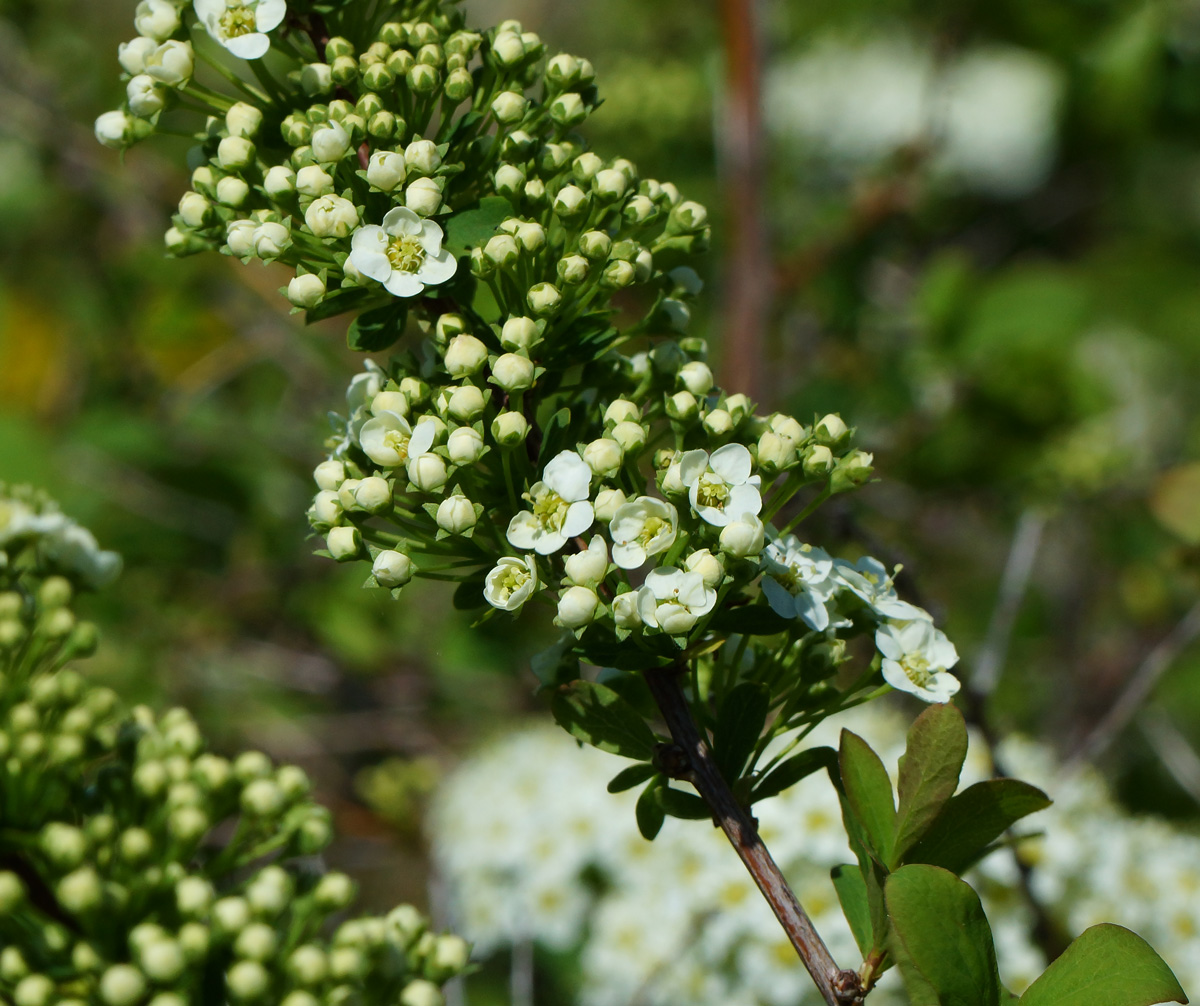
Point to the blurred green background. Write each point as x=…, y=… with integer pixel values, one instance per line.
x=984, y=251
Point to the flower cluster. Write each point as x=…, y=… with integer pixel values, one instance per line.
x=648, y=928
x=138, y=867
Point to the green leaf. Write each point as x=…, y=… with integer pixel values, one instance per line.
x=972, y=820
x=632, y=776
x=929, y=770
x=599, y=716
x=557, y=664
x=649, y=810
x=852, y=893
x=687, y=806
x=471, y=228
x=374, y=331
x=941, y=939
x=790, y=771
x=740, y=721
x=1106, y=966
x=338, y=302
x=468, y=595
x=869, y=793
x=750, y=620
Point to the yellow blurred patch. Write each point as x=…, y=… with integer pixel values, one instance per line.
x=35, y=359
x=1175, y=501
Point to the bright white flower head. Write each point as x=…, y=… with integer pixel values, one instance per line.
x=798, y=581
x=870, y=580
x=641, y=528
x=76, y=548
x=674, y=600
x=405, y=254
x=916, y=659
x=560, y=506
x=720, y=485
x=388, y=440
x=510, y=583
x=241, y=25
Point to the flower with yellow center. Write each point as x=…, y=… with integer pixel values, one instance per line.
x=720, y=486
x=390, y=442
x=797, y=581
x=641, y=528
x=405, y=253
x=560, y=506
x=510, y=583
x=917, y=658
x=241, y=25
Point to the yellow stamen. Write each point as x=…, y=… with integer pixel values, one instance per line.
x=238, y=20
x=405, y=253
x=712, y=491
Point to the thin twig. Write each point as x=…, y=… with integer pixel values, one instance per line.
x=1176, y=754
x=838, y=987
x=1013, y=585
x=1141, y=683
x=748, y=276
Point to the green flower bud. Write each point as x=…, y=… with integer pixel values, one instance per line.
x=510, y=429
x=562, y=71
x=509, y=107
x=187, y=824
x=513, y=372
x=595, y=245
x=456, y=515
x=543, y=299
x=317, y=79
x=12, y=965
x=193, y=897
x=509, y=180
x=851, y=471
x=55, y=592
x=248, y=980
x=338, y=46
x=85, y=959
x=257, y=942
x=308, y=965
x=818, y=460
x=519, y=334
x=572, y=269
x=34, y=990
x=568, y=110
x=63, y=845
x=135, y=845
x=347, y=963
x=300, y=998
x=570, y=202
x=421, y=993
x=296, y=131
x=162, y=961
x=507, y=49
x=831, y=430
x=534, y=193
x=262, y=798
x=682, y=406
x=58, y=623
x=334, y=891
x=696, y=377
x=122, y=985
x=630, y=435
x=618, y=274
x=168, y=999
x=604, y=457
x=231, y=915
x=421, y=78
x=12, y=893
x=384, y=125
x=344, y=70
x=194, y=940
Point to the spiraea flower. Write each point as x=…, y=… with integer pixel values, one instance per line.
x=720, y=486
x=797, y=581
x=641, y=528
x=405, y=253
x=674, y=600
x=241, y=25
x=560, y=506
x=510, y=583
x=389, y=441
x=870, y=580
x=917, y=658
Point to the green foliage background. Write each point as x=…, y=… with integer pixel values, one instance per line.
x=997, y=354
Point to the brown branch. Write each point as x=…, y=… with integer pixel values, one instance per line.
x=748, y=278
x=839, y=987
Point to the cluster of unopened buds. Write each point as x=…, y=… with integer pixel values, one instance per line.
x=137, y=867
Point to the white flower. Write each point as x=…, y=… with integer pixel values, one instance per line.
x=720, y=485
x=625, y=611
x=560, y=506
x=240, y=25
x=916, y=658
x=797, y=581
x=330, y=142
x=742, y=537
x=389, y=441
x=386, y=169
x=171, y=63
x=132, y=55
x=641, y=528
x=405, y=254
x=510, y=583
x=869, y=579
x=306, y=290
x=455, y=514
x=145, y=96
x=114, y=129
x=674, y=600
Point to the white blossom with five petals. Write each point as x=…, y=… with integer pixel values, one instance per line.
x=405, y=253
x=917, y=658
x=561, y=509
x=643, y=527
x=510, y=583
x=797, y=581
x=720, y=485
x=389, y=441
x=241, y=25
x=870, y=580
x=674, y=600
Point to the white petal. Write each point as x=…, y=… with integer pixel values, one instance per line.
x=401, y=221
x=887, y=643
x=629, y=555
x=431, y=238
x=269, y=13
x=550, y=541
x=569, y=476
x=422, y=438
x=524, y=530
x=373, y=264
x=732, y=462
x=579, y=518
x=779, y=598
x=743, y=499
x=811, y=608
x=207, y=10
x=663, y=581
x=369, y=238
x=252, y=46
x=437, y=268
x=647, y=606
x=894, y=675
x=691, y=466
x=403, y=284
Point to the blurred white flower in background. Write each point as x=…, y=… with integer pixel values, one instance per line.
x=989, y=116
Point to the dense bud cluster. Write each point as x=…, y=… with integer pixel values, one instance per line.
x=137, y=867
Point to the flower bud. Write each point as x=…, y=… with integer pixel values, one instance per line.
x=519, y=333
x=572, y=270
x=775, y=453
x=132, y=55
x=422, y=157
x=831, y=430
x=162, y=961
x=257, y=942
x=588, y=568
x=595, y=245
x=568, y=110
x=682, y=406
x=271, y=240
x=279, y=182
x=313, y=181
x=459, y=85
x=625, y=610
x=63, y=845
x=330, y=142
x=608, y=501
x=12, y=893
x=243, y=119
x=374, y=495
x=392, y=569
x=502, y=250
x=331, y=217
x=818, y=460
x=509, y=107
x=709, y=566
x=145, y=95
x=510, y=429
x=81, y=891
x=122, y=985
x=247, y=980
x=577, y=607
x=696, y=377
x=535, y=192
x=570, y=202
x=604, y=457
x=686, y=218
x=239, y=237
x=851, y=471
x=530, y=235
x=742, y=537
x=115, y=129
x=306, y=291
x=543, y=299
x=427, y=472
x=171, y=63
x=344, y=543
x=456, y=515
x=316, y=79
x=334, y=891
x=465, y=446
x=512, y=372
x=630, y=435
x=386, y=170
x=465, y=403
x=194, y=209
x=156, y=19
x=718, y=423
x=187, y=824
x=609, y=185
x=508, y=49
x=423, y=197
x=618, y=274
x=465, y=355
x=509, y=180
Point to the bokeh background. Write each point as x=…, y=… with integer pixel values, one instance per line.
x=972, y=229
